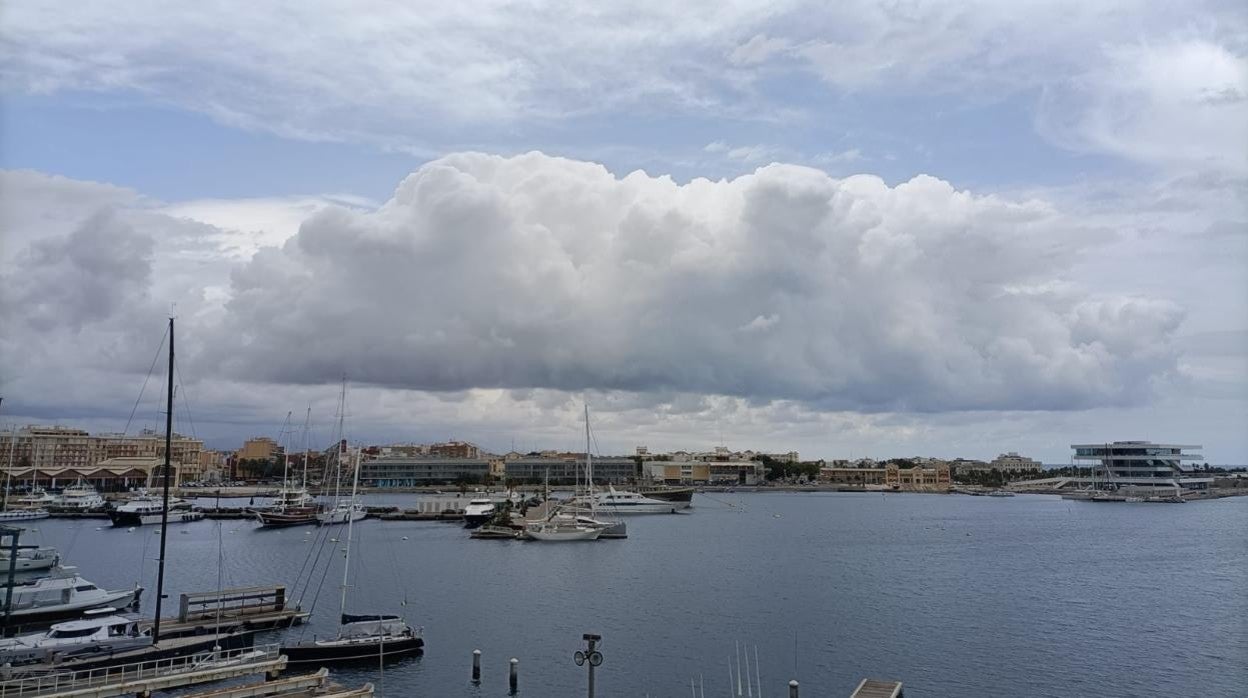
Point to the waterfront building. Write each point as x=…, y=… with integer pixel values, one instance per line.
x=852, y=476
x=259, y=448
x=415, y=471
x=1013, y=463
x=43, y=454
x=564, y=468
x=454, y=449
x=697, y=472
x=1141, y=467
x=935, y=479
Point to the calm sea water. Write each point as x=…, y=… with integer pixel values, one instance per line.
x=953, y=595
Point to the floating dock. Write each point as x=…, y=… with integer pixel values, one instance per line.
x=875, y=688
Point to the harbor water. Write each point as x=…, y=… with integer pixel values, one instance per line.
x=953, y=595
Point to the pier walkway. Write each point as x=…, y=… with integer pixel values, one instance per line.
x=142, y=678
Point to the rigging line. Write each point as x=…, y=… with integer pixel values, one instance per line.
x=145, y=380
x=186, y=404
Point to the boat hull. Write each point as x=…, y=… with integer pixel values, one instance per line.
x=340, y=516
x=129, y=518
x=283, y=519
x=563, y=535
x=475, y=520
x=23, y=515
x=28, y=564
x=46, y=614
x=354, y=650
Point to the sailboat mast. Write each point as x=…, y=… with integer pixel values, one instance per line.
x=589, y=468
x=346, y=562
x=338, y=447
x=8, y=474
x=307, y=444
x=164, y=512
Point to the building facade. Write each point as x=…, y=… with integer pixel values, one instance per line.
x=934, y=479
x=46, y=455
x=1141, y=467
x=1013, y=463
x=567, y=469
x=697, y=472
x=416, y=471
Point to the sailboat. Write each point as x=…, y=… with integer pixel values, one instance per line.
x=349, y=510
x=16, y=514
x=572, y=523
x=359, y=636
x=294, y=506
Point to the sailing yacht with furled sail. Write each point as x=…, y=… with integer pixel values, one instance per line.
x=572, y=522
x=380, y=636
x=294, y=506
x=343, y=511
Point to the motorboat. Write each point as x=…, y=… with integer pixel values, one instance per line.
x=488, y=532
x=680, y=497
x=80, y=496
x=23, y=515
x=147, y=509
x=1000, y=493
x=617, y=502
x=38, y=497
x=29, y=559
x=477, y=512
x=101, y=632
x=341, y=513
x=62, y=596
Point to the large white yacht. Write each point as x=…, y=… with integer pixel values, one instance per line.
x=477, y=512
x=101, y=632
x=147, y=508
x=81, y=496
x=617, y=502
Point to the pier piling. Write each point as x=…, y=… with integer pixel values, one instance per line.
x=793, y=688
x=514, y=677
x=476, y=666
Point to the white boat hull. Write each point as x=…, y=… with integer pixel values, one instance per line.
x=23, y=515
x=340, y=516
x=563, y=533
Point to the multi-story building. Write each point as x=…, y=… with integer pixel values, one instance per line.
x=566, y=469
x=1013, y=463
x=259, y=448
x=1140, y=467
x=935, y=479
x=55, y=456
x=697, y=472
x=454, y=449
x=852, y=476
x=415, y=471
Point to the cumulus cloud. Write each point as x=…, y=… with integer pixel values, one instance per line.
x=541, y=272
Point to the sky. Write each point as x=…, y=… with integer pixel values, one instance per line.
x=847, y=229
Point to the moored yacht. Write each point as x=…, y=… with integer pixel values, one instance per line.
x=80, y=496
x=559, y=530
x=37, y=497
x=477, y=512
x=23, y=514
x=617, y=502
x=341, y=513
x=29, y=559
x=147, y=509
x=65, y=595
x=102, y=631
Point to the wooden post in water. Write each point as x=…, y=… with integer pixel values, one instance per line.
x=514, y=677
x=793, y=688
x=476, y=666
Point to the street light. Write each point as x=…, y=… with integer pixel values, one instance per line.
x=589, y=656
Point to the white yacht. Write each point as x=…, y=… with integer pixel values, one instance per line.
x=23, y=515
x=80, y=496
x=29, y=560
x=64, y=596
x=147, y=509
x=477, y=512
x=617, y=502
x=103, y=631
x=38, y=497
x=341, y=513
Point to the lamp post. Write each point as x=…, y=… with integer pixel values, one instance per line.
x=590, y=656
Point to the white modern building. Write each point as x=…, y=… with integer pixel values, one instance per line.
x=1142, y=467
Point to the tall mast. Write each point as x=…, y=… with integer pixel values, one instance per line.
x=286, y=462
x=589, y=468
x=8, y=474
x=338, y=446
x=307, y=448
x=346, y=562
x=164, y=512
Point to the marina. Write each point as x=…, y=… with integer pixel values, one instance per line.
x=470, y=594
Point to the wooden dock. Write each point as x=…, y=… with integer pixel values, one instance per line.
x=317, y=684
x=144, y=678
x=875, y=688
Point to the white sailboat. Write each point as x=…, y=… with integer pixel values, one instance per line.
x=343, y=511
x=571, y=523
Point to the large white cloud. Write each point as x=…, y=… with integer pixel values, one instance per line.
x=782, y=309
x=540, y=272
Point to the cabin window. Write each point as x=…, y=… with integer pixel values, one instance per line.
x=85, y=587
x=71, y=633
